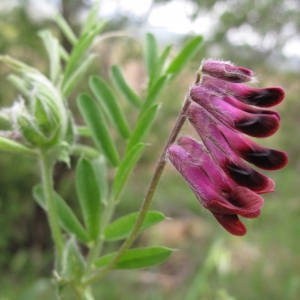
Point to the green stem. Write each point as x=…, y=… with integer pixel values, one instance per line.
x=97, y=247
x=76, y=292
x=47, y=180
x=148, y=198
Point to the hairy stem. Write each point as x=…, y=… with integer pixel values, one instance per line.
x=47, y=180
x=148, y=198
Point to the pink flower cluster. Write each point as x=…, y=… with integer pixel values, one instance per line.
x=223, y=111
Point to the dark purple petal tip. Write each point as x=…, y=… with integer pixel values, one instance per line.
x=265, y=158
x=258, y=125
x=244, y=118
x=264, y=97
x=245, y=176
x=261, y=97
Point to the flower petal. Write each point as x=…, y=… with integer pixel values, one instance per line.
x=249, y=202
x=257, y=125
x=240, y=201
x=262, y=97
x=202, y=186
x=223, y=154
x=248, y=177
x=225, y=208
x=200, y=156
x=231, y=223
x=248, y=108
x=262, y=157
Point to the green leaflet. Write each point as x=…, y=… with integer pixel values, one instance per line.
x=137, y=258
x=153, y=94
x=110, y=105
x=92, y=18
x=150, y=53
x=83, y=131
x=70, y=132
x=20, y=84
x=66, y=29
x=73, y=262
x=187, y=52
x=44, y=119
x=125, y=169
x=33, y=135
x=64, y=54
x=100, y=168
x=67, y=218
x=14, y=147
x=89, y=196
x=53, y=50
x=120, y=82
x=77, y=75
x=80, y=48
x=142, y=127
x=121, y=228
x=96, y=123
x=159, y=66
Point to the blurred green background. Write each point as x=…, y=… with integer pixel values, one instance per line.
x=210, y=264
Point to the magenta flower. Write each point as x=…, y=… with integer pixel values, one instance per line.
x=223, y=111
x=215, y=191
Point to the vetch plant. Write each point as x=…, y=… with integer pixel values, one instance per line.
x=220, y=107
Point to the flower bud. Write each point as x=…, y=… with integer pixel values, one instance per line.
x=226, y=71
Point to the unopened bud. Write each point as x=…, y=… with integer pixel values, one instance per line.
x=226, y=71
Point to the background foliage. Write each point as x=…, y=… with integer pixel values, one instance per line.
x=210, y=264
